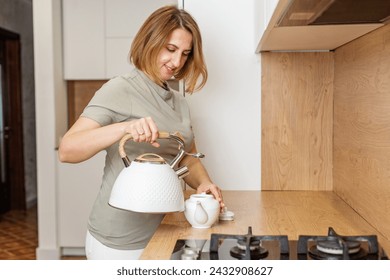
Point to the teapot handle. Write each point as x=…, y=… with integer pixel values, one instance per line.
x=161, y=135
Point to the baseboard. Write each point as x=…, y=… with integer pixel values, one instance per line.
x=48, y=254
x=73, y=251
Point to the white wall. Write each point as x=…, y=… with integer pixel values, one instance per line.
x=50, y=100
x=226, y=112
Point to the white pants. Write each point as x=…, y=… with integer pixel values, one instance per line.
x=95, y=250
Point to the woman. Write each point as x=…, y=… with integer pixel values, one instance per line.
x=141, y=103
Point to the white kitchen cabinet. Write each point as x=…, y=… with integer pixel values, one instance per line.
x=125, y=17
x=78, y=185
x=83, y=39
x=97, y=35
x=117, y=59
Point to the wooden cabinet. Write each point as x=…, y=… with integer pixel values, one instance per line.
x=97, y=35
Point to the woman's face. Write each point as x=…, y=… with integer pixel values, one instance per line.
x=175, y=53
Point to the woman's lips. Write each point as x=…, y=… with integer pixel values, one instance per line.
x=169, y=69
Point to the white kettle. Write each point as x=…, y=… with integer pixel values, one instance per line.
x=201, y=210
x=149, y=184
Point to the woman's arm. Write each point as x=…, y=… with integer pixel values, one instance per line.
x=86, y=137
x=198, y=178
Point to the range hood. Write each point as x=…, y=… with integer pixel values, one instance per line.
x=322, y=24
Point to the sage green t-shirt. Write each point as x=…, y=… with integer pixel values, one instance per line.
x=124, y=98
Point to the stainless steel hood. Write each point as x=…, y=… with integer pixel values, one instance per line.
x=322, y=24
x=328, y=12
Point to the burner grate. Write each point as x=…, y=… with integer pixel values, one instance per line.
x=335, y=246
x=249, y=251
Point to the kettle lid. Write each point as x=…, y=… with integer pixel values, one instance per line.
x=150, y=158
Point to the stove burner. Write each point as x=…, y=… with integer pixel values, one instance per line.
x=337, y=247
x=248, y=246
x=256, y=251
x=316, y=254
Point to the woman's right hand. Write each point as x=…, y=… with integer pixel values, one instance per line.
x=86, y=137
x=143, y=130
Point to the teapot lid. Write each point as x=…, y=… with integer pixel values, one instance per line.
x=150, y=158
x=226, y=215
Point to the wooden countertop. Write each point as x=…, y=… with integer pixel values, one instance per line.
x=291, y=213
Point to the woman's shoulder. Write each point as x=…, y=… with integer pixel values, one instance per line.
x=118, y=84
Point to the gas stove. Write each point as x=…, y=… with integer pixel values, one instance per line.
x=278, y=247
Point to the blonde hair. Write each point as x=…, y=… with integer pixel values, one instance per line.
x=152, y=38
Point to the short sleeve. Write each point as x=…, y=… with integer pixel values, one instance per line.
x=110, y=104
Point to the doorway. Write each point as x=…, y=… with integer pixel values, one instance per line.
x=12, y=191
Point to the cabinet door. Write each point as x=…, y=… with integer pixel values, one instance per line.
x=78, y=186
x=83, y=39
x=125, y=17
x=123, y=20
x=97, y=35
x=117, y=56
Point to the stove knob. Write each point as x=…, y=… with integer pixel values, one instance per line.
x=189, y=256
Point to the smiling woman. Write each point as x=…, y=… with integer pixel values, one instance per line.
x=141, y=104
x=175, y=32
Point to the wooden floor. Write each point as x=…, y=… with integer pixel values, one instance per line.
x=19, y=235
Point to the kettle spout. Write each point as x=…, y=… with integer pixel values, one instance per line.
x=182, y=172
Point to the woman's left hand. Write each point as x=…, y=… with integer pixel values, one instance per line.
x=213, y=189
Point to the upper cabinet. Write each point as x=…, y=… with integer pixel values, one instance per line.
x=83, y=39
x=321, y=24
x=97, y=35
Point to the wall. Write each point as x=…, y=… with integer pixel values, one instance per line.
x=50, y=99
x=16, y=16
x=297, y=119
x=226, y=112
x=362, y=127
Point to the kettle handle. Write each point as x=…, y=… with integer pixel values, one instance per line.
x=161, y=135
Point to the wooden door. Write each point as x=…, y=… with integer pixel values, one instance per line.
x=12, y=191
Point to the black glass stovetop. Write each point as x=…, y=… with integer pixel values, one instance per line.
x=278, y=247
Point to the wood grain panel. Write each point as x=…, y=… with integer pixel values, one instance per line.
x=297, y=117
x=79, y=94
x=362, y=127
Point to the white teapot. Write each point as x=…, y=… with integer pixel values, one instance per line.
x=201, y=210
x=149, y=184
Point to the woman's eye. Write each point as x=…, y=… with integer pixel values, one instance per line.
x=171, y=50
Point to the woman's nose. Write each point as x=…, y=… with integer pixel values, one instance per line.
x=175, y=59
